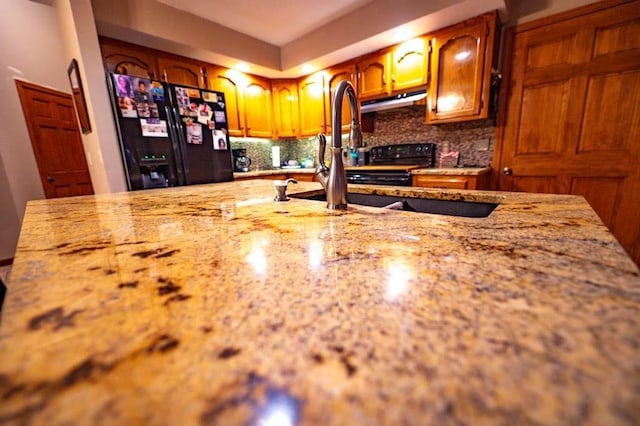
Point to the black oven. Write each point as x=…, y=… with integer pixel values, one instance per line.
x=379, y=177
x=392, y=164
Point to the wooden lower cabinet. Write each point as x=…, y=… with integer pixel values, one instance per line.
x=452, y=182
x=279, y=176
x=303, y=177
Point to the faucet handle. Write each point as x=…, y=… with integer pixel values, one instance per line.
x=355, y=134
x=323, y=145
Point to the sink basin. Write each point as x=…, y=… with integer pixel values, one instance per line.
x=420, y=205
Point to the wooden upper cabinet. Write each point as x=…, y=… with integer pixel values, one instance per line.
x=410, y=65
x=257, y=107
x=285, y=108
x=181, y=71
x=374, y=76
x=229, y=82
x=461, y=73
x=334, y=76
x=128, y=59
x=311, y=99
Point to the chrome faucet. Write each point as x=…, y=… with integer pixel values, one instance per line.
x=334, y=181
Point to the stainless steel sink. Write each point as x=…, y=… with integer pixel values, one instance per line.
x=419, y=205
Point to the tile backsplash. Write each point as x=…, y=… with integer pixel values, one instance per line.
x=474, y=139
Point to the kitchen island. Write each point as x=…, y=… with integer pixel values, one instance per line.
x=214, y=304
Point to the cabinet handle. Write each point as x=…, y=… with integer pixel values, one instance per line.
x=51, y=178
x=507, y=171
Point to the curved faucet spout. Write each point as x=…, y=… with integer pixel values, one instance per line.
x=335, y=183
x=355, y=134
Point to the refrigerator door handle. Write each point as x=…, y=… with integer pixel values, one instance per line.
x=178, y=142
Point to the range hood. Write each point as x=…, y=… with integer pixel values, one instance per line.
x=398, y=101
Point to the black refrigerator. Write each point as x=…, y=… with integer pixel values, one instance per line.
x=170, y=135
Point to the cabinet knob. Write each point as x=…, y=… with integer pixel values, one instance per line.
x=507, y=171
x=51, y=178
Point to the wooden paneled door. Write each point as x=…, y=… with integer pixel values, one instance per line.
x=374, y=73
x=258, y=114
x=410, y=65
x=230, y=82
x=285, y=108
x=56, y=141
x=311, y=97
x=334, y=76
x=181, y=71
x=129, y=59
x=572, y=123
x=458, y=83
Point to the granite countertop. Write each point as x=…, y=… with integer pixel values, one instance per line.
x=213, y=304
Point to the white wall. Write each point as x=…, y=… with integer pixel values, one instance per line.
x=37, y=43
x=30, y=49
x=80, y=41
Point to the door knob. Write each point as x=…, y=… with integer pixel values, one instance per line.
x=51, y=178
x=507, y=171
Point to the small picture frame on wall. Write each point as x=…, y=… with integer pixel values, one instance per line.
x=77, y=93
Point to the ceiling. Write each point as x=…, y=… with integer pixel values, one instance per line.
x=279, y=38
x=277, y=22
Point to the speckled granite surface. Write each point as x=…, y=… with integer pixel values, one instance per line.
x=215, y=305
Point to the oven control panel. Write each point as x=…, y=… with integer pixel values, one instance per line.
x=420, y=153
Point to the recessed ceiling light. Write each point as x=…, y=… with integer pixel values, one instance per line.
x=242, y=66
x=308, y=68
x=401, y=34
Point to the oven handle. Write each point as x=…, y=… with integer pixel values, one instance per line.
x=373, y=178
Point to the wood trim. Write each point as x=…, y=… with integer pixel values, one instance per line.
x=501, y=116
x=6, y=262
x=569, y=14
x=22, y=84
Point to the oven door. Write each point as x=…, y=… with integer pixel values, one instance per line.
x=379, y=177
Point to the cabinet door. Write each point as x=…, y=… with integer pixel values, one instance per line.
x=123, y=58
x=181, y=71
x=302, y=177
x=285, y=108
x=257, y=108
x=311, y=105
x=452, y=182
x=335, y=76
x=410, y=65
x=373, y=76
x=230, y=83
x=459, y=77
